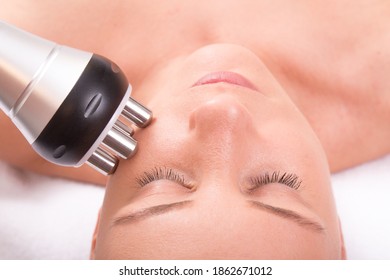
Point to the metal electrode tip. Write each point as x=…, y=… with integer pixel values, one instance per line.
x=120, y=141
x=103, y=162
x=137, y=113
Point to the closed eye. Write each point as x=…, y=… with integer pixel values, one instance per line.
x=163, y=173
x=289, y=179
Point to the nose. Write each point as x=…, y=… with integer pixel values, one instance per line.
x=222, y=125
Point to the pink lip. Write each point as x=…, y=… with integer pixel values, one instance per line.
x=224, y=77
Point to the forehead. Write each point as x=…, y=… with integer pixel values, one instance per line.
x=229, y=233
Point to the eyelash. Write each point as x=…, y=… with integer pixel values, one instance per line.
x=289, y=179
x=161, y=173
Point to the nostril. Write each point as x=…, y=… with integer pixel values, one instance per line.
x=221, y=112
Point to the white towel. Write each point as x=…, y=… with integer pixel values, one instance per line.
x=363, y=201
x=47, y=218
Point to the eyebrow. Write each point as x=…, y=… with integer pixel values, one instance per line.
x=150, y=212
x=288, y=214
x=164, y=208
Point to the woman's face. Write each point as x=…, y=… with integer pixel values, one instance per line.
x=228, y=169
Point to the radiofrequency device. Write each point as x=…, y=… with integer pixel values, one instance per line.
x=72, y=106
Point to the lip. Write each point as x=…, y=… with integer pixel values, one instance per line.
x=224, y=77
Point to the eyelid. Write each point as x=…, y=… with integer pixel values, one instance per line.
x=163, y=173
x=291, y=180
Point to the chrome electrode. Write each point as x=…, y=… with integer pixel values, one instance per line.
x=69, y=104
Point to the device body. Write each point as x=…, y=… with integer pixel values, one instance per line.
x=72, y=106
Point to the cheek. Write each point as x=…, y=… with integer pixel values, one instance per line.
x=170, y=122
